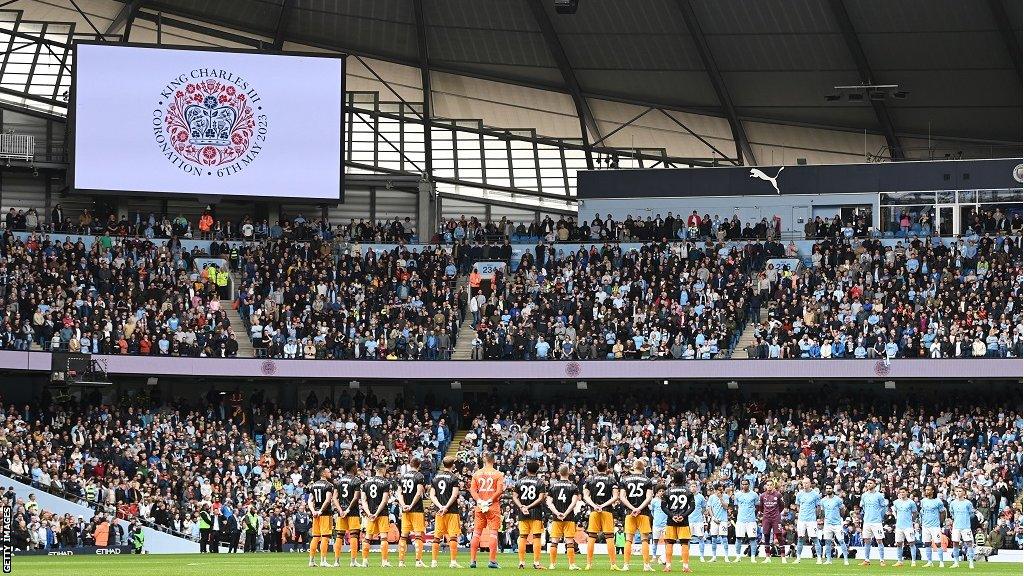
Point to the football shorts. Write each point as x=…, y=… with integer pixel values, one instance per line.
x=677, y=533
x=531, y=526
x=873, y=530
x=963, y=535
x=806, y=528
x=562, y=529
x=321, y=526
x=413, y=523
x=486, y=520
x=746, y=529
x=601, y=522
x=380, y=526
x=344, y=524
x=640, y=523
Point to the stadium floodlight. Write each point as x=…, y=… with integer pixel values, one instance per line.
x=890, y=384
x=353, y=384
x=456, y=385
x=151, y=381
x=665, y=382
x=581, y=385
x=732, y=385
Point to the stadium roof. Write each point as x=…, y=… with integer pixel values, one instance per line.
x=772, y=60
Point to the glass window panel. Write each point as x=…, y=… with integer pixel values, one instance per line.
x=907, y=198
x=1004, y=195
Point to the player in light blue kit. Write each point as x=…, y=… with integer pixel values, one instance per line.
x=932, y=512
x=696, y=518
x=904, y=509
x=832, y=530
x=962, y=511
x=872, y=508
x=659, y=519
x=718, y=509
x=807, y=518
x=746, y=520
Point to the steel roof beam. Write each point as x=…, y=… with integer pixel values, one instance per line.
x=125, y=16
x=424, y=53
x=583, y=111
x=739, y=133
x=282, y=23
x=866, y=77
x=1006, y=30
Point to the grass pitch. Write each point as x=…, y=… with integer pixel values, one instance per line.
x=286, y=564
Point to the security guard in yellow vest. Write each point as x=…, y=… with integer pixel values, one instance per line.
x=222, y=283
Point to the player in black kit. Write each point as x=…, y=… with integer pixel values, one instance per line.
x=677, y=504
x=563, y=500
x=346, y=504
x=528, y=496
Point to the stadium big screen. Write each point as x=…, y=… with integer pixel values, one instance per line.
x=207, y=122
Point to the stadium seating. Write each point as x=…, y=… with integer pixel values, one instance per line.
x=919, y=299
x=303, y=292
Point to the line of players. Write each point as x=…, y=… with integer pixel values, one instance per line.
x=682, y=515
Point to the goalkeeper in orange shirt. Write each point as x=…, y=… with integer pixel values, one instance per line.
x=486, y=487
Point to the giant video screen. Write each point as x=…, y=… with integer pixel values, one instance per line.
x=207, y=122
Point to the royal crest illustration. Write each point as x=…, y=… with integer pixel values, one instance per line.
x=209, y=122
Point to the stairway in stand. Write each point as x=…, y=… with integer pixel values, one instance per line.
x=464, y=341
x=245, y=349
x=453, y=448
x=746, y=338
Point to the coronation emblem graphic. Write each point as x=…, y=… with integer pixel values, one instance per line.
x=210, y=122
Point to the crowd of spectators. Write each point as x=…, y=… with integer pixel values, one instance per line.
x=233, y=456
x=306, y=294
x=222, y=453
x=904, y=222
x=607, y=229
x=305, y=300
x=918, y=299
x=662, y=301
x=34, y=528
x=918, y=221
x=131, y=296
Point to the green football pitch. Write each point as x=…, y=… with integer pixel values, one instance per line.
x=295, y=563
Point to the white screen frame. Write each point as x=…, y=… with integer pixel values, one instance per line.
x=74, y=130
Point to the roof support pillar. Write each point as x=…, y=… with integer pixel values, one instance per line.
x=1006, y=29
x=125, y=17
x=583, y=111
x=739, y=135
x=282, y=23
x=866, y=77
x=424, y=52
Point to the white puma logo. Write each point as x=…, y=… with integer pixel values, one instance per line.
x=757, y=173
